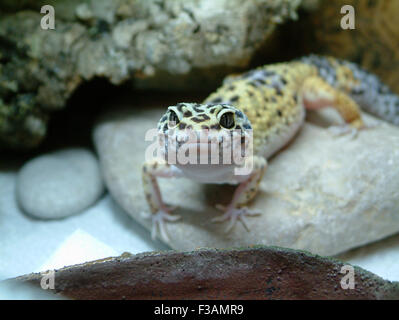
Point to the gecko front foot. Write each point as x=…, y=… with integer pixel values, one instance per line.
x=347, y=129
x=233, y=214
x=158, y=222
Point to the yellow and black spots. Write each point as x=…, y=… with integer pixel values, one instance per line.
x=150, y=170
x=365, y=88
x=267, y=96
x=317, y=93
x=207, y=116
x=250, y=187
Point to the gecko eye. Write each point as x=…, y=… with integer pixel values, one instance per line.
x=227, y=120
x=173, y=118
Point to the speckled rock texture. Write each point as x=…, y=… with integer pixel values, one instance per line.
x=373, y=43
x=258, y=272
x=322, y=193
x=59, y=184
x=156, y=43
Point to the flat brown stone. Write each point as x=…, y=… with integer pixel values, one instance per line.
x=245, y=273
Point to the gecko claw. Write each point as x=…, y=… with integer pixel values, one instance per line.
x=337, y=131
x=352, y=132
x=158, y=222
x=234, y=214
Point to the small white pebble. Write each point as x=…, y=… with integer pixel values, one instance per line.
x=59, y=184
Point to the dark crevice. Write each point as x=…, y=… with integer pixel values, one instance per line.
x=73, y=124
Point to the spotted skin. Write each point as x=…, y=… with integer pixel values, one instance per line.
x=269, y=103
x=366, y=89
x=203, y=116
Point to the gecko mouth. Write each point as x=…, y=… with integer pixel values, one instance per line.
x=211, y=149
x=199, y=147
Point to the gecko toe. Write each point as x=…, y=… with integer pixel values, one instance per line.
x=235, y=214
x=159, y=225
x=347, y=130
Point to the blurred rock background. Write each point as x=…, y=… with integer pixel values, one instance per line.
x=157, y=44
x=167, y=45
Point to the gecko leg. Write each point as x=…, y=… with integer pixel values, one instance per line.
x=245, y=192
x=159, y=211
x=317, y=93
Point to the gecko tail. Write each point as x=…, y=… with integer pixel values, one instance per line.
x=371, y=94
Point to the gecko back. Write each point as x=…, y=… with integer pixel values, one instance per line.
x=365, y=88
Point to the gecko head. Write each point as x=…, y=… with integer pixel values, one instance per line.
x=198, y=126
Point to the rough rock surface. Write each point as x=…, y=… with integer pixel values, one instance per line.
x=241, y=273
x=146, y=40
x=322, y=193
x=59, y=184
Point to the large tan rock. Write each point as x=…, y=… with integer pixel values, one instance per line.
x=322, y=193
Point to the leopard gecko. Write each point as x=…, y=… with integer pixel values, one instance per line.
x=270, y=103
